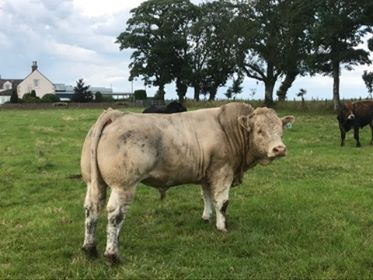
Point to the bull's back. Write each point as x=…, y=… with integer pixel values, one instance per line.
x=364, y=112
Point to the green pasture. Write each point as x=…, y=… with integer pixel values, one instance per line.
x=308, y=215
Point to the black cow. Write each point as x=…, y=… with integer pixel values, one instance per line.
x=355, y=115
x=173, y=107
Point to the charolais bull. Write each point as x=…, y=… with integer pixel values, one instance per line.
x=211, y=147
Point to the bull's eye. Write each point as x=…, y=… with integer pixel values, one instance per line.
x=260, y=131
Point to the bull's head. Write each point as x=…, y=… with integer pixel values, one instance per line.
x=346, y=113
x=265, y=133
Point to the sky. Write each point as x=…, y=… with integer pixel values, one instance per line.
x=73, y=39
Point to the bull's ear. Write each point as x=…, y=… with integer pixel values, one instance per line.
x=244, y=122
x=287, y=120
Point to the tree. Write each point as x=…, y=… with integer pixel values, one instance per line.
x=260, y=38
x=98, y=97
x=214, y=53
x=14, y=97
x=140, y=94
x=297, y=17
x=335, y=36
x=368, y=80
x=180, y=19
x=150, y=33
x=236, y=87
x=82, y=92
x=272, y=41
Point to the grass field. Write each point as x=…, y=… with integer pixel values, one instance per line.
x=309, y=215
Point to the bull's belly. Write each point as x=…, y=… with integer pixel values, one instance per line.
x=168, y=178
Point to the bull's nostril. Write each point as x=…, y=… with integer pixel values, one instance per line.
x=279, y=150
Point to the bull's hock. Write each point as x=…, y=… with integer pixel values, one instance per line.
x=211, y=147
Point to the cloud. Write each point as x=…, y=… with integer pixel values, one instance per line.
x=91, y=8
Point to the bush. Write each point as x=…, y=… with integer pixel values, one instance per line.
x=14, y=97
x=99, y=97
x=50, y=98
x=140, y=94
x=107, y=98
x=30, y=98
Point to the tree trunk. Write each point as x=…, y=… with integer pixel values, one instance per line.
x=160, y=94
x=269, y=85
x=285, y=85
x=213, y=92
x=336, y=99
x=197, y=92
x=181, y=89
x=268, y=97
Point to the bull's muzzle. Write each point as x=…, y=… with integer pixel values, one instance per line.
x=278, y=151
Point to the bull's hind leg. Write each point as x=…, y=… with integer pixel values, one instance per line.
x=93, y=204
x=119, y=202
x=207, y=203
x=371, y=130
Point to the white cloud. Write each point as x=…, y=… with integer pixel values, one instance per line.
x=91, y=8
x=73, y=53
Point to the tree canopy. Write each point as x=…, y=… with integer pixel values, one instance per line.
x=203, y=46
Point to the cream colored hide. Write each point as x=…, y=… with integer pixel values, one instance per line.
x=210, y=147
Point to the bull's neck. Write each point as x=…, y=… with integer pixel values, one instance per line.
x=239, y=145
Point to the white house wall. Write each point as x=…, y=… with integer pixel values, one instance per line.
x=35, y=81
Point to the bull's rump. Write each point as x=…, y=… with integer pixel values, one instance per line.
x=160, y=150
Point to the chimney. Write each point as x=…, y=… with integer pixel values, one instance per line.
x=34, y=66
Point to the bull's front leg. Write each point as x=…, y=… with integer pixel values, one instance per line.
x=356, y=136
x=343, y=135
x=220, y=193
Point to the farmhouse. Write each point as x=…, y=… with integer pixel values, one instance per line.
x=35, y=81
x=42, y=85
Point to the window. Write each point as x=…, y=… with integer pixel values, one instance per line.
x=36, y=83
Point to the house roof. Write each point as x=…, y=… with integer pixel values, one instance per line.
x=15, y=82
x=36, y=70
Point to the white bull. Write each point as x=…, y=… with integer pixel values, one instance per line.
x=210, y=147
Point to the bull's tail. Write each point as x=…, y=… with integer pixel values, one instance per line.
x=106, y=118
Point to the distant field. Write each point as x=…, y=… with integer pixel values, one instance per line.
x=309, y=215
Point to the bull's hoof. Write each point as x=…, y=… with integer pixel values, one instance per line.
x=206, y=221
x=90, y=251
x=112, y=259
x=358, y=145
